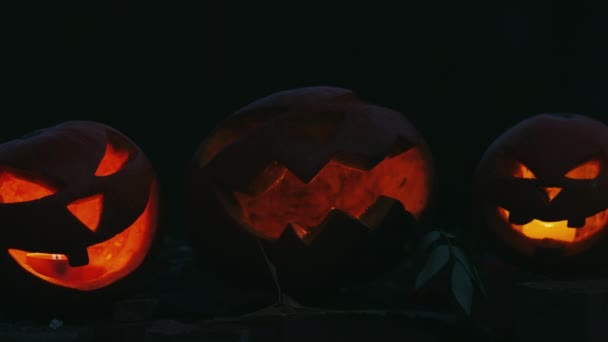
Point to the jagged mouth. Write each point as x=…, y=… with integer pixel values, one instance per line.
x=569, y=231
x=337, y=222
x=61, y=269
x=288, y=201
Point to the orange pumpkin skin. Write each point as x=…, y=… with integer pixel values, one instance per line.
x=81, y=200
x=541, y=187
x=294, y=168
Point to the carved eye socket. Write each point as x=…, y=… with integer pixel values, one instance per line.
x=112, y=161
x=522, y=171
x=15, y=188
x=587, y=170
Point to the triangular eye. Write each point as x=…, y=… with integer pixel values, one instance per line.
x=522, y=171
x=587, y=170
x=15, y=188
x=88, y=210
x=112, y=161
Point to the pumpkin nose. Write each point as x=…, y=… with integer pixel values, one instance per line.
x=88, y=210
x=552, y=192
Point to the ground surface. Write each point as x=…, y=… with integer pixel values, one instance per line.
x=186, y=303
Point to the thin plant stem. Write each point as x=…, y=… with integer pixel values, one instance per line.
x=273, y=273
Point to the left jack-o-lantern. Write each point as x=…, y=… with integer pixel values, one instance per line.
x=79, y=204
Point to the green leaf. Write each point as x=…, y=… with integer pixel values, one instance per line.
x=482, y=287
x=463, y=260
x=436, y=261
x=428, y=239
x=462, y=287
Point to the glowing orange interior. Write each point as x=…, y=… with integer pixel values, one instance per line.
x=522, y=171
x=587, y=170
x=559, y=230
x=112, y=161
x=289, y=200
x=88, y=210
x=552, y=192
x=15, y=189
x=109, y=261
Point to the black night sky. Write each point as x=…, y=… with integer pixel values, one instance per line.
x=166, y=75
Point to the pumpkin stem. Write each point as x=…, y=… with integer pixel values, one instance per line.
x=273, y=273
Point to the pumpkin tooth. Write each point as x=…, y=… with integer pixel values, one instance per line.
x=578, y=222
x=78, y=257
x=519, y=219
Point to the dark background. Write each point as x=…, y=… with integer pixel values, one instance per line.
x=167, y=74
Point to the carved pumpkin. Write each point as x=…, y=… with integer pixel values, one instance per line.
x=78, y=203
x=298, y=165
x=543, y=186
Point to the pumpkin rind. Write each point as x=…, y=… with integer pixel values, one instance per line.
x=123, y=193
x=295, y=137
x=524, y=183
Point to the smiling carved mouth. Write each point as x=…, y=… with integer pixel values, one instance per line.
x=558, y=230
x=109, y=260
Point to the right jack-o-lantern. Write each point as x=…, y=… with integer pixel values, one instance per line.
x=543, y=187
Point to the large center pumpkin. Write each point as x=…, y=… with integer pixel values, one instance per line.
x=287, y=161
